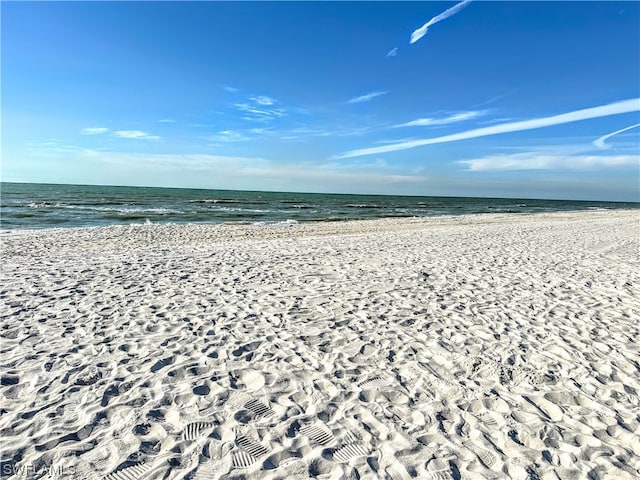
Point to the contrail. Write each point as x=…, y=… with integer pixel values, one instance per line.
x=600, y=141
x=616, y=108
x=366, y=98
x=422, y=31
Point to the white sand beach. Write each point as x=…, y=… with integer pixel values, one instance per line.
x=490, y=346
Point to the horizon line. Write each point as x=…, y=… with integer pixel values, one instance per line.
x=316, y=193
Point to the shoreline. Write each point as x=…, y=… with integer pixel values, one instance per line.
x=307, y=223
x=73, y=206
x=482, y=346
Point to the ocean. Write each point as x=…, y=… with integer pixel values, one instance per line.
x=32, y=206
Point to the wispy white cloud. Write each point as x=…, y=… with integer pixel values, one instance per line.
x=305, y=132
x=315, y=131
x=137, y=134
x=616, y=108
x=53, y=146
x=377, y=164
x=260, y=131
x=229, y=89
x=393, y=53
x=166, y=120
x=495, y=120
x=245, y=107
x=227, y=136
x=258, y=118
x=422, y=31
x=366, y=97
x=600, y=141
x=219, y=171
x=386, y=142
x=453, y=118
x=494, y=99
x=178, y=163
x=259, y=115
x=94, y=130
x=262, y=100
x=547, y=161
x=260, y=109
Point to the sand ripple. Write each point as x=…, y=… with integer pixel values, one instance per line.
x=470, y=347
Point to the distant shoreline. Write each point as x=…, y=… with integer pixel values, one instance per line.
x=223, y=231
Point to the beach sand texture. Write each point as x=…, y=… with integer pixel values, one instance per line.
x=492, y=346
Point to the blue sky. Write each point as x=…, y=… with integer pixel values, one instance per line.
x=515, y=99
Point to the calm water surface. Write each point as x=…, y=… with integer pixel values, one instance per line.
x=29, y=205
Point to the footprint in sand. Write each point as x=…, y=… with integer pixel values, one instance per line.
x=318, y=432
x=241, y=459
x=196, y=430
x=248, y=449
x=215, y=461
x=350, y=451
x=439, y=469
x=251, y=445
x=135, y=472
x=488, y=419
x=373, y=382
x=258, y=409
x=160, y=364
x=487, y=458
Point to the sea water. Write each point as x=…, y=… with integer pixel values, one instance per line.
x=30, y=205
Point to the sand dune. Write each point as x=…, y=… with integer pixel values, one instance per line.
x=493, y=346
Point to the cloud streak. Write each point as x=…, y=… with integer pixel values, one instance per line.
x=393, y=53
x=367, y=97
x=600, y=141
x=247, y=173
x=136, y=134
x=454, y=118
x=616, y=108
x=262, y=100
x=546, y=161
x=227, y=136
x=422, y=31
x=259, y=114
x=94, y=130
x=260, y=109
